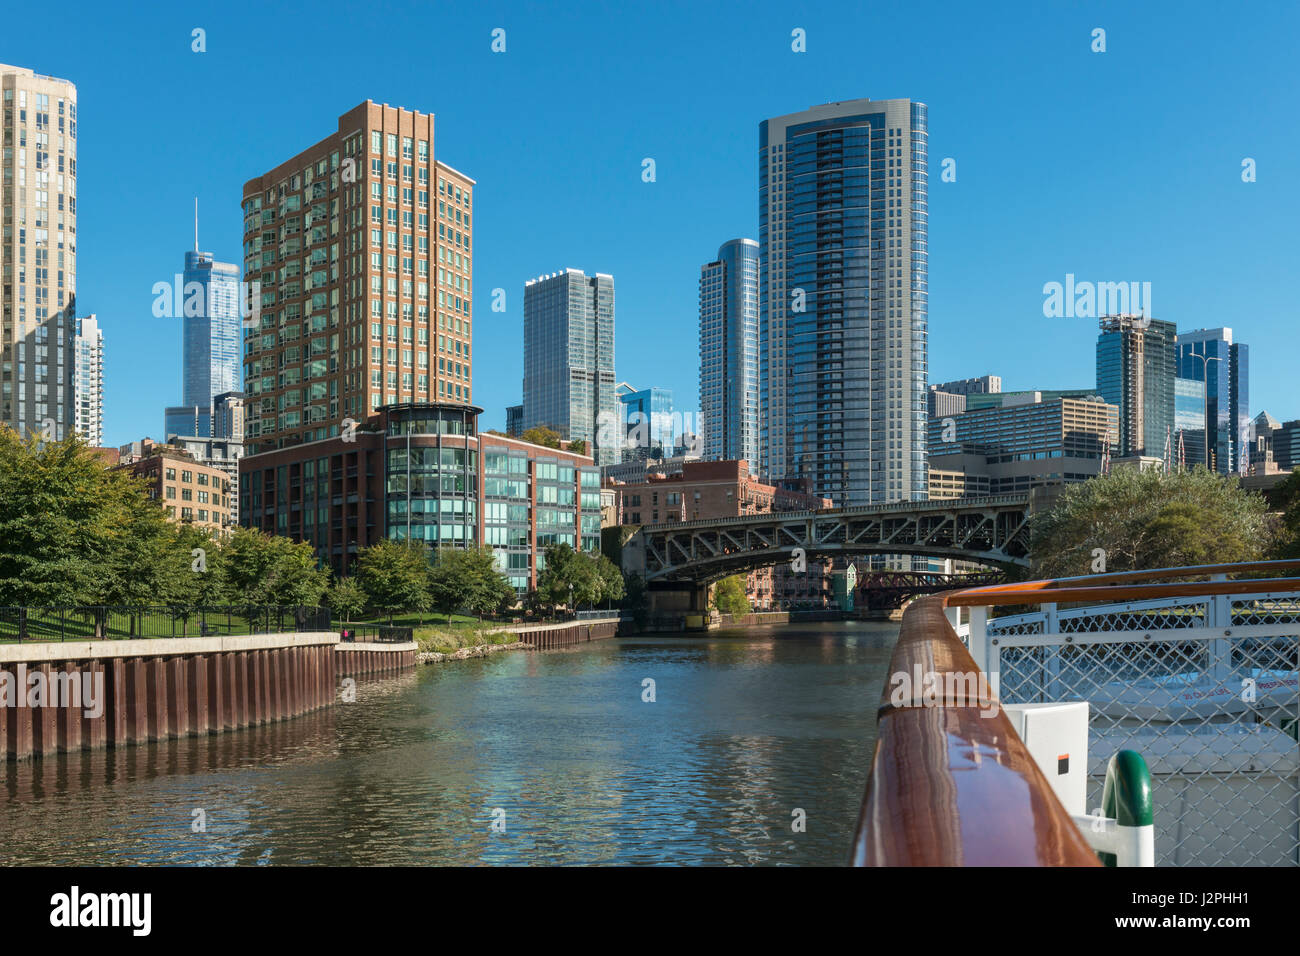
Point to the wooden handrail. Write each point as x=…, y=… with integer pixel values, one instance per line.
x=1158, y=574
x=951, y=782
x=1039, y=592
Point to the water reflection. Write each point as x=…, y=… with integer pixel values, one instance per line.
x=746, y=727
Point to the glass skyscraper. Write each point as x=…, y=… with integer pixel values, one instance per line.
x=1210, y=356
x=653, y=431
x=729, y=354
x=1136, y=371
x=569, y=383
x=843, y=299
x=1189, y=420
x=212, y=337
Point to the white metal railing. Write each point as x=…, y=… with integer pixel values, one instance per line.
x=1204, y=688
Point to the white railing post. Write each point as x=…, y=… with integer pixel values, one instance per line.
x=1051, y=625
x=1218, y=612
x=978, y=640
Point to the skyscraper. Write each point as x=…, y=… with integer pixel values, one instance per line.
x=569, y=380
x=843, y=299
x=514, y=420
x=362, y=247
x=1189, y=421
x=1210, y=356
x=88, y=381
x=729, y=354
x=38, y=252
x=1136, y=371
x=212, y=336
x=228, y=416
x=653, y=429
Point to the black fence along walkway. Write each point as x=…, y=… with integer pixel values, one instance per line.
x=103, y=623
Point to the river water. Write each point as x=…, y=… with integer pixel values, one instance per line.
x=754, y=750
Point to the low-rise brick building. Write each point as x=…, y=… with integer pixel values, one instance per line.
x=190, y=491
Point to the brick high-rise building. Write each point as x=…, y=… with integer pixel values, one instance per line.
x=38, y=252
x=362, y=248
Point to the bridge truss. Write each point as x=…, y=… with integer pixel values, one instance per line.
x=993, y=530
x=887, y=590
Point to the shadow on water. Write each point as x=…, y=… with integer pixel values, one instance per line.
x=749, y=730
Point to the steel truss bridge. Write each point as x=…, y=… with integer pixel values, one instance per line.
x=887, y=590
x=992, y=530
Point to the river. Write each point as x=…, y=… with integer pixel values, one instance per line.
x=754, y=750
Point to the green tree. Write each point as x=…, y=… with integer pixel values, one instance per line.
x=557, y=583
x=394, y=575
x=1287, y=495
x=541, y=435
x=1143, y=520
x=261, y=569
x=204, y=557
x=578, y=446
x=447, y=582
x=149, y=564
x=487, y=588
x=635, y=593
x=347, y=598
x=729, y=595
x=63, y=517
x=612, y=585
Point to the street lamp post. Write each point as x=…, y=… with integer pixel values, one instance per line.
x=1206, y=359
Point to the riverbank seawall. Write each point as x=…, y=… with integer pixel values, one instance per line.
x=86, y=695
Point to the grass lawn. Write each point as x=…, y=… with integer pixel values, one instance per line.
x=436, y=634
x=81, y=626
x=412, y=619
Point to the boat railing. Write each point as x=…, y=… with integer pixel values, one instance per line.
x=1199, y=677
x=952, y=784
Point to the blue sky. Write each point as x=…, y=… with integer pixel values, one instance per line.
x=1115, y=166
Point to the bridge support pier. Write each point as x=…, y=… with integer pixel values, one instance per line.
x=678, y=597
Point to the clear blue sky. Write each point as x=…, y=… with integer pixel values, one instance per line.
x=1123, y=165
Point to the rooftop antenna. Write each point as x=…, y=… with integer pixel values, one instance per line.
x=196, y=223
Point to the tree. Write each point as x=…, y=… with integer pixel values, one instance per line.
x=394, y=575
x=488, y=589
x=1287, y=495
x=557, y=582
x=575, y=578
x=150, y=562
x=347, y=598
x=541, y=435
x=447, y=582
x=63, y=517
x=469, y=578
x=578, y=446
x=729, y=595
x=260, y=569
x=1142, y=520
x=612, y=585
x=635, y=593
